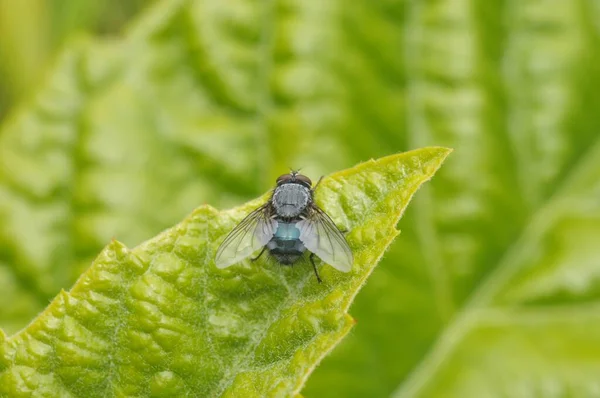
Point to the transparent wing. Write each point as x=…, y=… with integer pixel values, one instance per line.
x=252, y=233
x=321, y=236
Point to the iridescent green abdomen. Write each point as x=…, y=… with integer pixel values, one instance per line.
x=285, y=245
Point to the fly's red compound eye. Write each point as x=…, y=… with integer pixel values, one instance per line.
x=283, y=178
x=304, y=180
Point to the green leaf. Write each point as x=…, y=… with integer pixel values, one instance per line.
x=533, y=326
x=162, y=320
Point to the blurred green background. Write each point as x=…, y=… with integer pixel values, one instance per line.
x=119, y=118
x=32, y=32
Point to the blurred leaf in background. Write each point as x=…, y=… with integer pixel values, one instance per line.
x=31, y=31
x=491, y=290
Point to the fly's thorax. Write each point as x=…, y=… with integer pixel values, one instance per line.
x=290, y=200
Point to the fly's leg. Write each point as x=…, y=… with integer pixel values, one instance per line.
x=312, y=261
x=259, y=254
x=318, y=182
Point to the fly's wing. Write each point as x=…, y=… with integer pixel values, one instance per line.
x=252, y=233
x=321, y=236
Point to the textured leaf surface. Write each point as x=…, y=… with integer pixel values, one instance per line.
x=162, y=320
x=498, y=254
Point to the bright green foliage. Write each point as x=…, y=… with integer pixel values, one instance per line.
x=32, y=30
x=161, y=320
x=208, y=101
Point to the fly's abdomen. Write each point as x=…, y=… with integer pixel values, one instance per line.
x=286, y=246
x=287, y=231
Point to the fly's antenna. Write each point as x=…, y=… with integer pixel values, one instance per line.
x=294, y=172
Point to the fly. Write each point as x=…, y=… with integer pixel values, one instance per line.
x=289, y=224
